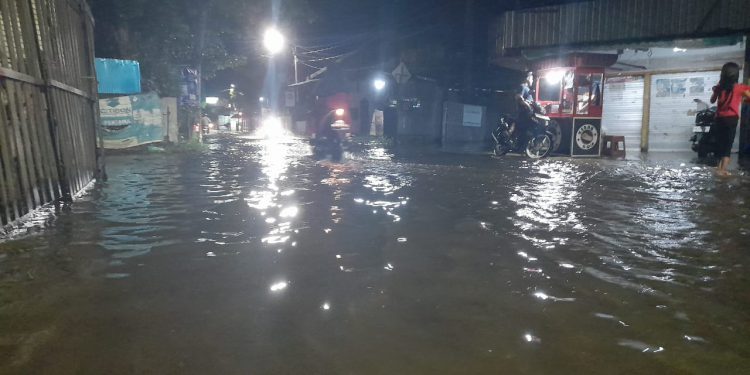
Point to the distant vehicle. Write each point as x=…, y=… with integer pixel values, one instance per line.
x=702, y=140
x=332, y=140
x=538, y=140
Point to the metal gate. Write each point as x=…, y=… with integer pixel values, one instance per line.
x=48, y=103
x=623, y=109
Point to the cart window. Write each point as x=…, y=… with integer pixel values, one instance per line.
x=583, y=92
x=567, y=92
x=596, y=90
x=549, y=90
x=588, y=93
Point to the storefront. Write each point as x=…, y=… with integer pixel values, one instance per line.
x=650, y=92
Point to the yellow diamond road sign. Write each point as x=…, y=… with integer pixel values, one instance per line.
x=401, y=74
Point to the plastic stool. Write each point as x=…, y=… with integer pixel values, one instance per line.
x=614, y=146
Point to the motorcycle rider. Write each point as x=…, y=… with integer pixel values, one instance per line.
x=524, y=98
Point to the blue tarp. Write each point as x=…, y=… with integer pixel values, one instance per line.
x=118, y=76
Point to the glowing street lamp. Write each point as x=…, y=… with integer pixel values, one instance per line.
x=273, y=41
x=379, y=84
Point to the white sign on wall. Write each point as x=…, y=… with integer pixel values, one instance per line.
x=472, y=116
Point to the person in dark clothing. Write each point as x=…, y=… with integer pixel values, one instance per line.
x=524, y=98
x=729, y=94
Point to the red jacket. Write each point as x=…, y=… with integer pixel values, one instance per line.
x=728, y=105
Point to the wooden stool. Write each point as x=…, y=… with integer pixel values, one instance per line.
x=614, y=146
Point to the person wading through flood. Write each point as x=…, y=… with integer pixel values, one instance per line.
x=730, y=95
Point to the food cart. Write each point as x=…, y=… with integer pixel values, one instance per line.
x=570, y=90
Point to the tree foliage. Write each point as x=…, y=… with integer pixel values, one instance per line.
x=166, y=35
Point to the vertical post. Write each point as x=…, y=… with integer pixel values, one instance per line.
x=88, y=25
x=744, y=115
x=469, y=28
x=296, y=64
x=201, y=45
x=645, y=121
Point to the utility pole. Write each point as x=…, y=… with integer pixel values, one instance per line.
x=296, y=64
x=201, y=45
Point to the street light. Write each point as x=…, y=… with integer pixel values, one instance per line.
x=379, y=84
x=273, y=41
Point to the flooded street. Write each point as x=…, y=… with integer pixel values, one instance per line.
x=256, y=259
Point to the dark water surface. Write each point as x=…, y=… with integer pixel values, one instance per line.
x=254, y=259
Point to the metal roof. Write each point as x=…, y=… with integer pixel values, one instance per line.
x=603, y=22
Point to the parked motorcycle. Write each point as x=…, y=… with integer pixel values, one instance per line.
x=540, y=138
x=702, y=140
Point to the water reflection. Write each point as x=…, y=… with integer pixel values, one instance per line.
x=466, y=266
x=548, y=201
x=139, y=208
x=270, y=197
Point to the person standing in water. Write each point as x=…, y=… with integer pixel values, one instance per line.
x=729, y=95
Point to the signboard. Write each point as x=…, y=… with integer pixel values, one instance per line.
x=289, y=98
x=401, y=74
x=118, y=76
x=472, y=116
x=587, y=136
x=189, y=88
x=129, y=121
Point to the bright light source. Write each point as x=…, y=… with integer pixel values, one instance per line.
x=554, y=77
x=271, y=128
x=279, y=286
x=340, y=112
x=212, y=100
x=678, y=49
x=379, y=84
x=273, y=41
x=261, y=99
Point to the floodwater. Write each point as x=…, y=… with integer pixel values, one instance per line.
x=255, y=259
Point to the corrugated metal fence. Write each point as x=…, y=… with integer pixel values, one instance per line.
x=624, y=21
x=48, y=103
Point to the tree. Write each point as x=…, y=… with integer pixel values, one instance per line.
x=165, y=35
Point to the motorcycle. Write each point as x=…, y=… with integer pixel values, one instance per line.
x=702, y=140
x=541, y=137
x=325, y=146
x=331, y=143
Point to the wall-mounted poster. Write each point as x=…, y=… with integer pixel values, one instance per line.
x=472, y=116
x=129, y=121
x=679, y=87
x=663, y=88
x=697, y=85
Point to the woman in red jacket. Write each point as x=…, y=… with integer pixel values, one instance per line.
x=730, y=95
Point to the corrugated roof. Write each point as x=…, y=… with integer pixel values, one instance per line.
x=603, y=22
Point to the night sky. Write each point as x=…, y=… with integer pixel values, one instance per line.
x=341, y=26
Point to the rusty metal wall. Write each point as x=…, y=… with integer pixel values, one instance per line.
x=620, y=21
x=48, y=103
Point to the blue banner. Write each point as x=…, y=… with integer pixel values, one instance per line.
x=118, y=76
x=129, y=121
x=189, y=88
